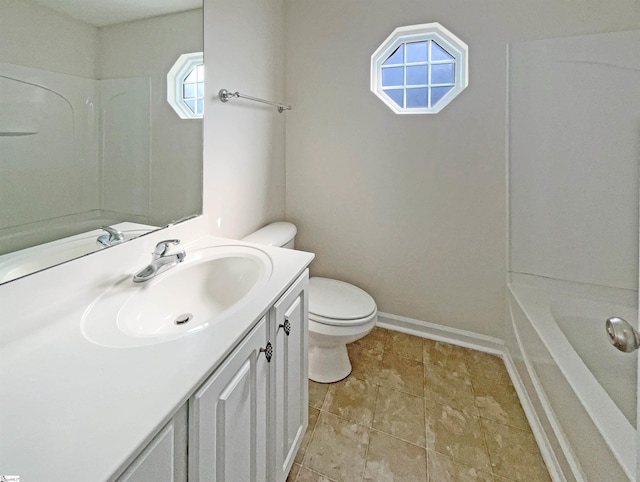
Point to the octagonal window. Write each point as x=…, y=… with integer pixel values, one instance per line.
x=185, y=86
x=419, y=69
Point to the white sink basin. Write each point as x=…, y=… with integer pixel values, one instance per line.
x=207, y=287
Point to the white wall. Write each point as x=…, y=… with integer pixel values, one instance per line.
x=412, y=208
x=149, y=48
x=244, y=141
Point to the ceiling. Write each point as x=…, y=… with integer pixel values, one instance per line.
x=106, y=12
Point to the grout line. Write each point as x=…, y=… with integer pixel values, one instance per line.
x=315, y=425
x=366, y=452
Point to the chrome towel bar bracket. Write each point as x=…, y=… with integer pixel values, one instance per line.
x=225, y=95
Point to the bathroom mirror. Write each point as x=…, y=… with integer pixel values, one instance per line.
x=87, y=138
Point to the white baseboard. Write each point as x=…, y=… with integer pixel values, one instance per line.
x=455, y=336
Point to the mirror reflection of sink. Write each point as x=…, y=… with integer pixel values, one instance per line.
x=211, y=284
x=26, y=261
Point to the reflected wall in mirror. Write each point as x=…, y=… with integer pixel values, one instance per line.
x=87, y=138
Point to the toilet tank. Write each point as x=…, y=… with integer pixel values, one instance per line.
x=280, y=234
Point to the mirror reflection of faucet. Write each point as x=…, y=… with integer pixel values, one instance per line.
x=160, y=261
x=112, y=237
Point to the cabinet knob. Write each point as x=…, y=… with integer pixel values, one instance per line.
x=268, y=351
x=286, y=325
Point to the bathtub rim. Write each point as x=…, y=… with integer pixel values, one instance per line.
x=534, y=299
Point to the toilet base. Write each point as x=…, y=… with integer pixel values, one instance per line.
x=328, y=364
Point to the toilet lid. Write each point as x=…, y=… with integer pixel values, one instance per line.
x=330, y=298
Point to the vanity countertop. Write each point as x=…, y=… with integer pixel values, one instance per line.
x=74, y=410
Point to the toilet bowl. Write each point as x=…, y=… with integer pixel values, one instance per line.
x=339, y=312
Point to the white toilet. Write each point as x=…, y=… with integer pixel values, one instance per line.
x=339, y=312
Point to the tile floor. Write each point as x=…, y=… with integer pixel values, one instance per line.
x=417, y=410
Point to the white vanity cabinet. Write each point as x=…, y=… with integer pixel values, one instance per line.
x=247, y=421
x=289, y=330
x=228, y=416
x=155, y=462
x=164, y=459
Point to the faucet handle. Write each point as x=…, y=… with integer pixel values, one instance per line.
x=163, y=246
x=112, y=237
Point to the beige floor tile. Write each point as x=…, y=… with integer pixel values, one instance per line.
x=457, y=434
x=365, y=362
x=402, y=374
x=401, y=415
x=441, y=468
x=337, y=449
x=314, y=413
x=306, y=475
x=393, y=460
x=514, y=453
x=404, y=345
x=458, y=403
x=374, y=341
x=448, y=387
x=446, y=356
x=352, y=399
x=499, y=402
x=317, y=393
x=293, y=473
x=488, y=366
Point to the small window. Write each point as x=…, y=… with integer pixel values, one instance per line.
x=419, y=69
x=185, y=86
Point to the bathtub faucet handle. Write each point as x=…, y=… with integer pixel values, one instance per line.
x=622, y=335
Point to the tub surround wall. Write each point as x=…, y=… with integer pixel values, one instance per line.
x=244, y=180
x=412, y=208
x=174, y=171
x=575, y=183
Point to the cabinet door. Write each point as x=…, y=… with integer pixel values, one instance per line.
x=156, y=460
x=289, y=329
x=228, y=417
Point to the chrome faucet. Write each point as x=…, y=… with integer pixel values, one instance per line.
x=112, y=237
x=160, y=261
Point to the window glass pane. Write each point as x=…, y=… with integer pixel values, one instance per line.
x=417, y=75
x=438, y=53
x=397, y=95
x=393, y=76
x=200, y=89
x=442, y=73
x=199, y=106
x=438, y=93
x=396, y=57
x=191, y=104
x=200, y=71
x=417, y=51
x=417, y=97
x=191, y=77
x=188, y=91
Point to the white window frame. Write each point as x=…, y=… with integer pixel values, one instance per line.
x=418, y=33
x=175, y=79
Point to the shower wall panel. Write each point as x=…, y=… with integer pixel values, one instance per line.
x=574, y=116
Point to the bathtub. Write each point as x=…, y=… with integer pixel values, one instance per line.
x=584, y=415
